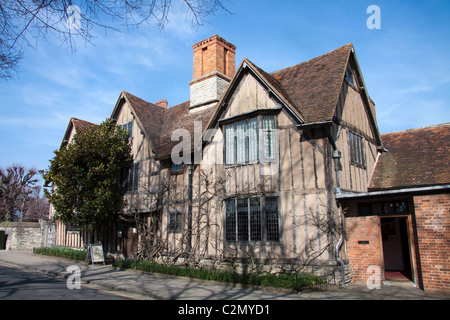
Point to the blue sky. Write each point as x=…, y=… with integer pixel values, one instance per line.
x=405, y=64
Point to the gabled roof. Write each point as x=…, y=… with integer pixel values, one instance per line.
x=158, y=122
x=309, y=91
x=415, y=157
x=314, y=86
x=149, y=116
x=77, y=125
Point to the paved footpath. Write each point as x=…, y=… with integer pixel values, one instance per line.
x=176, y=288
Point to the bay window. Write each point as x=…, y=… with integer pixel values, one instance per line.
x=242, y=140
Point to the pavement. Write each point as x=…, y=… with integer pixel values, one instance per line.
x=161, y=287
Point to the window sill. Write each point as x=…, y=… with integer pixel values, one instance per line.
x=358, y=165
x=265, y=162
x=254, y=242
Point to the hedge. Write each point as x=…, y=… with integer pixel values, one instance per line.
x=284, y=280
x=62, y=252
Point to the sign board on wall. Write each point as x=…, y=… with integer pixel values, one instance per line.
x=96, y=251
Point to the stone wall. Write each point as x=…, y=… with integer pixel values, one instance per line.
x=26, y=235
x=207, y=89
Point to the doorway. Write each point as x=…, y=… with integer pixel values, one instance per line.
x=396, y=249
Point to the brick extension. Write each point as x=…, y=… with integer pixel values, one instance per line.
x=433, y=229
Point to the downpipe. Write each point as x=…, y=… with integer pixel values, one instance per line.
x=338, y=246
x=336, y=156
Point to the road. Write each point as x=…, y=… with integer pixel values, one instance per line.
x=20, y=284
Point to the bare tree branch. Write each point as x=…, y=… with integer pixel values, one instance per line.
x=22, y=21
x=16, y=185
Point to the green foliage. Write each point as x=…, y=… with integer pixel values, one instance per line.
x=284, y=280
x=86, y=192
x=62, y=252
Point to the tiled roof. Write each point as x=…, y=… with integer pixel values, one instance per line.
x=158, y=122
x=80, y=125
x=311, y=88
x=314, y=86
x=150, y=116
x=416, y=157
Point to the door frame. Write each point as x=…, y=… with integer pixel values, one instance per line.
x=410, y=242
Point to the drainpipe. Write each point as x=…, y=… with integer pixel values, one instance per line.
x=339, y=244
x=336, y=157
x=189, y=222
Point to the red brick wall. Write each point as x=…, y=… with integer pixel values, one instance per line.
x=433, y=233
x=361, y=256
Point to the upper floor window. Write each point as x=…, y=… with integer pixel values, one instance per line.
x=349, y=77
x=243, y=139
x=269, y=135
x=129, y=177
x=356, y=147
x=128, y=127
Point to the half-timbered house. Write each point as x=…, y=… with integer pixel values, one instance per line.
x=255, y=167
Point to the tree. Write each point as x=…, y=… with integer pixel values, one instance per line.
x=24, y=21
x=86, y=190
x=16, y=185
x=37, y=207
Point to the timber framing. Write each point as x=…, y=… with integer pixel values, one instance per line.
x=290, y=135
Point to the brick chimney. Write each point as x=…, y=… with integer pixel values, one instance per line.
x=214, y=66
x=162, y=103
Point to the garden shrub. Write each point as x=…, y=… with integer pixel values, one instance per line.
x=283, y=280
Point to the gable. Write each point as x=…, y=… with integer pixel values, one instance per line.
x=314, y=85
x=250, y=90
x=75, y=125
x=249, y=95
x=308, y=93
x=352, y=113
x=156, y=123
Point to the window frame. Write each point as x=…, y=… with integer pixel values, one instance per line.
x=130, y=177
x=244, y=224
x=128, y=127
x=384, y=208
x=176, y=168
x=175, y=222
x=349, y=79
x=254, y=138
x=356, y=147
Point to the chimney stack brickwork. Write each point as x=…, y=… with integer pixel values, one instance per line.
x=162, y=103
x=214, y=66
